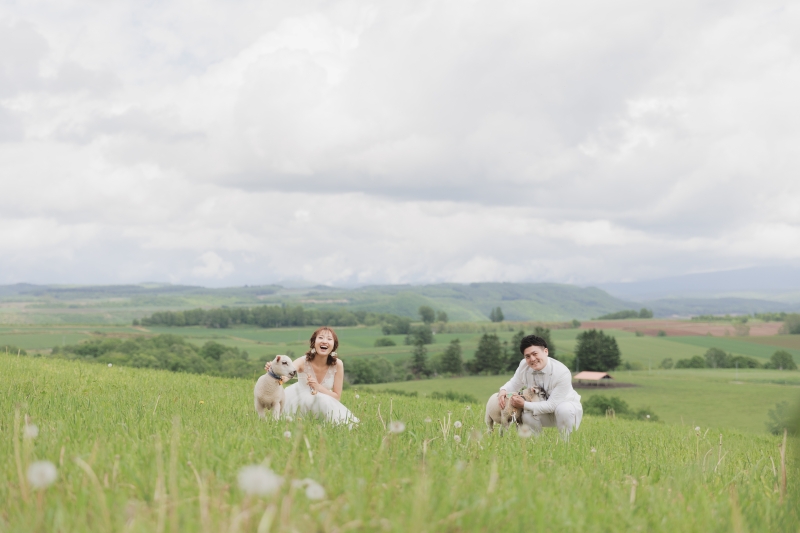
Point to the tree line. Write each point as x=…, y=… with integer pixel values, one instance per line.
x=630, y=313
x=717, y=358
x=165, y=352
x=274, y=316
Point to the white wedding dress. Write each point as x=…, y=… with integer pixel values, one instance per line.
x=300, y=401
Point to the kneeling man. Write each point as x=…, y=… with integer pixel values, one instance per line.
x=561, y=405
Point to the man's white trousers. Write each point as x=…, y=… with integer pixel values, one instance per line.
x=568, y=416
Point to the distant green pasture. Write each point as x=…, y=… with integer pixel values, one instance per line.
x=708, y=398
x=737, y=345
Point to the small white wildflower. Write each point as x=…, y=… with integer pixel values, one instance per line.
x=524, y=432
x=259, y=480
x=31, y=431
x=457, y=424
x=428, y=420
x=287, y=434
x=314, y=491
x=357, y=396
x=110, y=365
x=457, y=438
x=395, y=426
x=42, y=474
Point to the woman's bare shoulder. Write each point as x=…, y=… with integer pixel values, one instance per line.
x=339, y=363
x=299, y=363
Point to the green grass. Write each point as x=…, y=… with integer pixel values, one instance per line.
x=142, y=434
x=738, y=345
x=718, y=399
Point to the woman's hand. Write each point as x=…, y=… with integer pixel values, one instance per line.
x=312, y=380
x=266, y=367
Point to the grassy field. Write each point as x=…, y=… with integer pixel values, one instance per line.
x=138, y=450
x=709, y=398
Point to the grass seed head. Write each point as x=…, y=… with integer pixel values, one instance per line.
x=259, y=480
x=42, y=474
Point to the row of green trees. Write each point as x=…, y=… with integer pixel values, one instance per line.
x=716, y=358
x=165, y=352
x=274, y=316
x=630, y=313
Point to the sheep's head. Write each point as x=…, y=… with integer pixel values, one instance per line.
x=283, y=367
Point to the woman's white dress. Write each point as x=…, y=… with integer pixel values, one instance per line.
x=300, y=401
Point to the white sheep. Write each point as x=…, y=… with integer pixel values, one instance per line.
x=504, y=417
x=268, y=392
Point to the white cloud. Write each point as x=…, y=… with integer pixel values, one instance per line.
x=213, y=267
x=374, y=142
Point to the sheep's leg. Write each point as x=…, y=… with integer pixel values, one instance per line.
x=276, y=411
x=259, y=408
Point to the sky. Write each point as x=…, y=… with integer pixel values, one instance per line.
x=250, y=142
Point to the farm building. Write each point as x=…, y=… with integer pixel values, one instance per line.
x=596, y=378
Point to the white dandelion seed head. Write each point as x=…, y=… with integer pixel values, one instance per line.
x=593, y=450
x=428, y=420
x=524, y=432
x=31, y=431
x=289, y=418
x=314, y=491
x=648, y=416
x=697, y=428
x=468, y=408
x=457, y=424
x=42, y=474
x=357, y=396
x=259, y=480
x=287, y=434
x=110, y=365
x=457, y=438
x=395, y=426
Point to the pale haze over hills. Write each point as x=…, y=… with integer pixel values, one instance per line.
x=224, y=144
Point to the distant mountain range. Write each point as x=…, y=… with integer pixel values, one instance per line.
x=462, y=302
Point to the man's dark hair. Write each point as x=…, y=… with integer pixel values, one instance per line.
x=531, y=340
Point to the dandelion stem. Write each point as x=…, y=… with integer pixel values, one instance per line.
x=23, y=485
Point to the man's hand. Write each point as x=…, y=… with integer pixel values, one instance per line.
x=501, y=399
x=517, y=401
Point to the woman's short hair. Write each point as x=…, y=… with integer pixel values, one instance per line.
x=531, y=340
x=331, y=356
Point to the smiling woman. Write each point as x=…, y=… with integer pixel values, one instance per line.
x=320, y=380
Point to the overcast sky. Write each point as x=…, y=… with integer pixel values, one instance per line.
x=247, y=142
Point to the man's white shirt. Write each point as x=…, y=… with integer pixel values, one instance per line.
x=555, y=379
